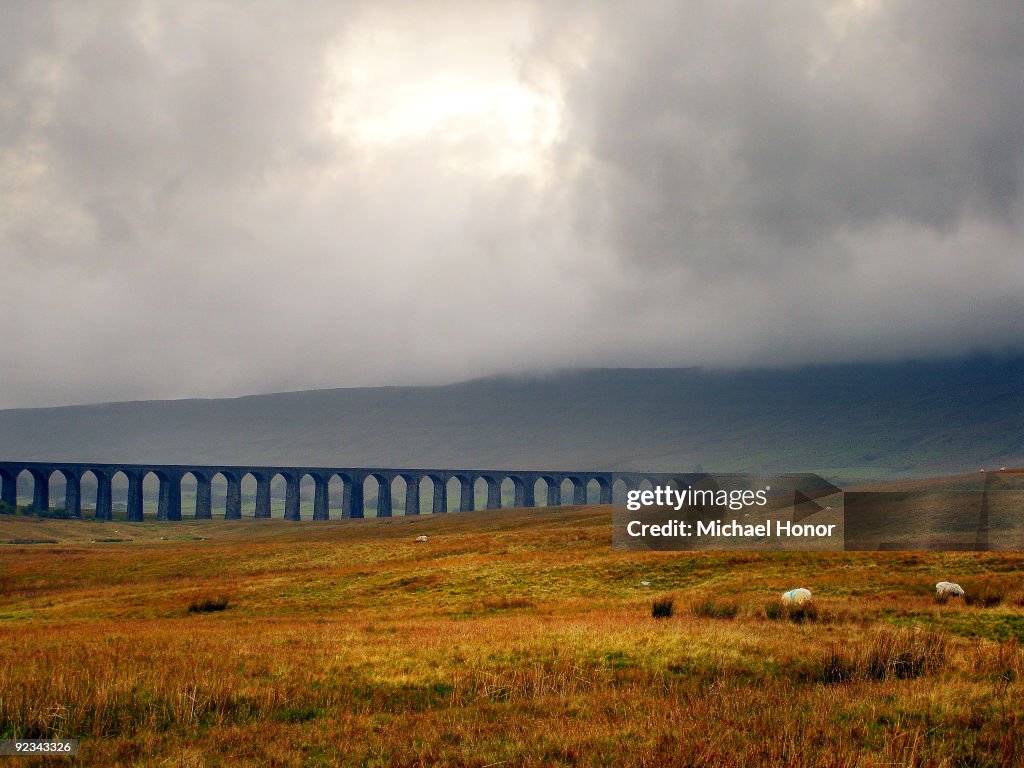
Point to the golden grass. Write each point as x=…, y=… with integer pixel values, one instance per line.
x=509, y=639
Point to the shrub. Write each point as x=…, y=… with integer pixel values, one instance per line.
x=208, y=604
x=711, y=609
x=53, y=514
x=57, y=514
x=661, y=608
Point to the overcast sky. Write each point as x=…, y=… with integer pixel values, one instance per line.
x=205, y=199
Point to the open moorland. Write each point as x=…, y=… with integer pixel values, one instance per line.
x=512, y=638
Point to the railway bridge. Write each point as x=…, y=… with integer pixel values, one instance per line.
x=586, y=486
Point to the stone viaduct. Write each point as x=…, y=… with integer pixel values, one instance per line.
x=170, y=477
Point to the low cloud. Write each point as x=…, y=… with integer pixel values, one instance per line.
x=207, y=200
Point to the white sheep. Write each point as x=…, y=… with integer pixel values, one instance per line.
x=645, y=583
x=797, y=596
x=421, y=538
x=948, y=589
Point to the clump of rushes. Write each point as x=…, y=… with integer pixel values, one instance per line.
x=904, y=653
x=504, y=603
x=1002, y=661
x=208, y=604
x=837, y=666
x=990, y=592
x=716, y=609
x=662, y=607
x=798, y=614
x=899, y=654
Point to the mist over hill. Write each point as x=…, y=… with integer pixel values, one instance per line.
x=843, y=421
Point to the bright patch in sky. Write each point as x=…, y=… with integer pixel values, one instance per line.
x=395, y=85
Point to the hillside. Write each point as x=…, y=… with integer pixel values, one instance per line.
x=844, y=421
x=516, y=638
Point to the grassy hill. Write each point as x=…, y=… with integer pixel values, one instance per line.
x=843, y=421
x=509, y=638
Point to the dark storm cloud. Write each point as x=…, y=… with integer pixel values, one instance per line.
x=761, y=121
x=804, y=182
x=208, y=199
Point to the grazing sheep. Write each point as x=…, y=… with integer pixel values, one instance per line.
x=797, y=596
x=421, y=538
x=948, y=589
x=645, y=583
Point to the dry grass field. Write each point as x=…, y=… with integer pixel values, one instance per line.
x=509, y=639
